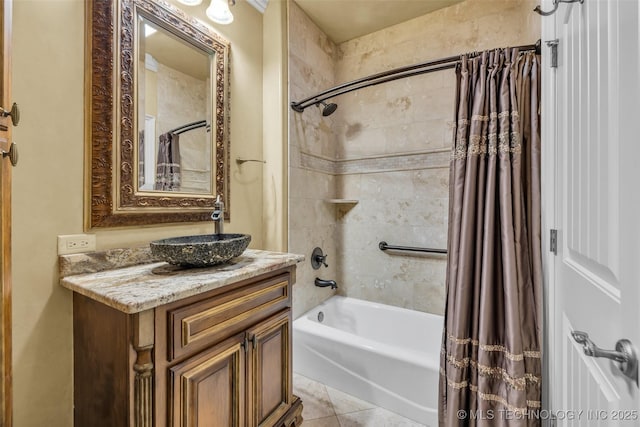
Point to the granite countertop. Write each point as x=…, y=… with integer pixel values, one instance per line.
x=129, y=280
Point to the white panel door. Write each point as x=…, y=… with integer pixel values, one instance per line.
x=594, y=132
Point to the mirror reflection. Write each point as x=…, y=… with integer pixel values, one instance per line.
x=175, y=144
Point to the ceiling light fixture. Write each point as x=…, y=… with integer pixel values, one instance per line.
x=190, y=2
x=218, y=11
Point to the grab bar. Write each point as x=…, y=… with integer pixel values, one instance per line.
x=384, y=246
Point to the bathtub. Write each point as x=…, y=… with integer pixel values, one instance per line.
x=386, y=355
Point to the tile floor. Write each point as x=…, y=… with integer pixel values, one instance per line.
x=327, y=407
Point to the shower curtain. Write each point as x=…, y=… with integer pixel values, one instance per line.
x=168, y=165
x=490, y=361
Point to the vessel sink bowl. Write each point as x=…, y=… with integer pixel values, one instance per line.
x=201, y=250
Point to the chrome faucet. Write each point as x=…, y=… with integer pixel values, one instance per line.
x=218, y=215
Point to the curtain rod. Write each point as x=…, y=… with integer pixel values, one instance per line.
x=189, y=126
x=387, y=76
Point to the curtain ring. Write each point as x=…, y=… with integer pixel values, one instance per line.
x=556, y=3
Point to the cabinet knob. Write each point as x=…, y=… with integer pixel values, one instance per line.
x=12, y=154
x=14, y=113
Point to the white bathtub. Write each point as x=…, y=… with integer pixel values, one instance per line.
x=386, y=355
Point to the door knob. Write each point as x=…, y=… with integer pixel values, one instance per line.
x=12, y=154
x=14, y=113
x=624, y=355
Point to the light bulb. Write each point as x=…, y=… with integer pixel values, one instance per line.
x=218, y=11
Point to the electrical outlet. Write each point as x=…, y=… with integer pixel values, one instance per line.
x=75, y=243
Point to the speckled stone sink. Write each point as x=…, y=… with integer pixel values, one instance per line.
x=200, y=251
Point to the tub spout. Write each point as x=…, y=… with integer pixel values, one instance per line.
x=325, y=283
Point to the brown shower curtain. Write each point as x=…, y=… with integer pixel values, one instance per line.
x=491, y=356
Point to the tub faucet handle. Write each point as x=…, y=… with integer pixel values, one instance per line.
x=318, y=258
x=321, y=259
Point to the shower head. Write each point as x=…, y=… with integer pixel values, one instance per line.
x=327, y=109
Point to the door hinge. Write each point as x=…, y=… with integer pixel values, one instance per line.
x=553, y=44
x=553, y=241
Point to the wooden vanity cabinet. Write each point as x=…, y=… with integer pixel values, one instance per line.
x=221, y=358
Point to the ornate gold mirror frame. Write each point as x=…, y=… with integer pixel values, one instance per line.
x=111, y=198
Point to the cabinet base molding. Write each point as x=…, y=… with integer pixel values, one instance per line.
x=293, y=417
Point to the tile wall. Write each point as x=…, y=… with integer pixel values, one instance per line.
x=312, y=144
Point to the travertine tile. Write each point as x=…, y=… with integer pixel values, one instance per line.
x=348, y=186
x=311, y=181
x=417, y=136
x=305, y=294
x=316, y=401
x=377, y=417
x=344, y=403
x=322, y=422
x=327, y=407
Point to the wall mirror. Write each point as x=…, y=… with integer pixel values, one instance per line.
x=157, y=115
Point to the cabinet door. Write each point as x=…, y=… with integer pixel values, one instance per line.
x=208, y=390
x=269, y=370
